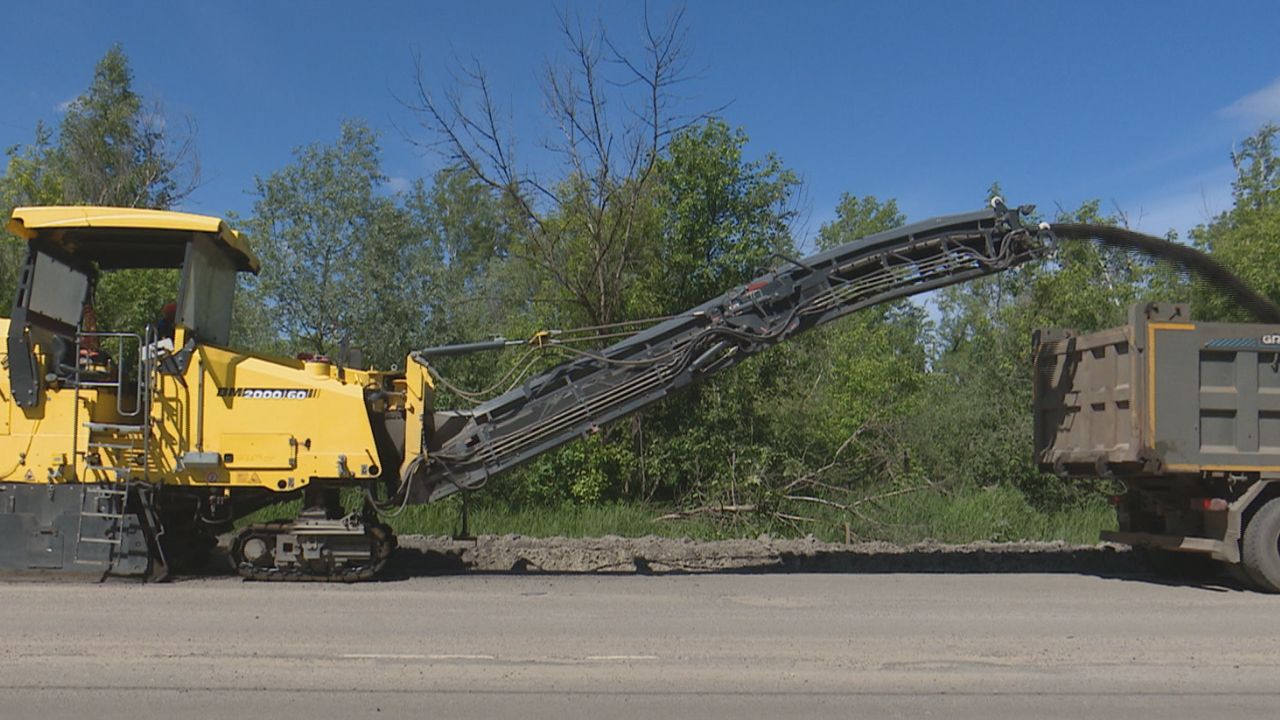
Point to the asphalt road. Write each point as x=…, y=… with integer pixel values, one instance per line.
x=706, y=646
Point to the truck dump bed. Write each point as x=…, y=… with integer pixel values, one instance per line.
x=1160, y=396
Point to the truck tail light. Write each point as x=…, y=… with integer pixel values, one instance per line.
x=1211, y=504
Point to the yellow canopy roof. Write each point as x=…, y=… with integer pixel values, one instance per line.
x=127, y=237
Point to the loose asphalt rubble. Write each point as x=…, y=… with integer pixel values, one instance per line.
x=612, y=554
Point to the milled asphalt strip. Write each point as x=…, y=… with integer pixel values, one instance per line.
x=392, y=656
x=654, y=693
x=386, y=656
x=622, y=657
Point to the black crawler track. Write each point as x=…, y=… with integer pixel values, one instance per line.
x=382, y=543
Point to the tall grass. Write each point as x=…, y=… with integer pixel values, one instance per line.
x=999, y=514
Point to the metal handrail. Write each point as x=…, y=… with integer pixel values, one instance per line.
x=147, y=368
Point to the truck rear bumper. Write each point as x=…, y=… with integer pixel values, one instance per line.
x=1218, y=549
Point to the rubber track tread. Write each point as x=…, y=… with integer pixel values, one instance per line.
x=381, y=533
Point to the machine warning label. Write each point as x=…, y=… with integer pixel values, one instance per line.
x=267, y=393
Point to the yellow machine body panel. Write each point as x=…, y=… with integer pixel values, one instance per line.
x=241, y=419
x=6, y=403
x=265, y=451
x=232, y=419
x=43, y=444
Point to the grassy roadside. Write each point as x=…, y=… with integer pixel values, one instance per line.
x=1000, y=515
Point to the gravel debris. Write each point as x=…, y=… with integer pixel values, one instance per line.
x=650, y=554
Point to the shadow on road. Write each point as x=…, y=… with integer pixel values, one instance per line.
x=603, y=558
x=420, y=556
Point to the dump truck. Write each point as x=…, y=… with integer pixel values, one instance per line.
x=1186, y=416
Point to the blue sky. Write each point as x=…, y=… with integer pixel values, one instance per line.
x=1135, y=103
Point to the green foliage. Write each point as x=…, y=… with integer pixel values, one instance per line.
x=628, y=519
x=1085, y=285
x=585, y=259
x=1257, y=183
x=865, y=368
x=461, y=274
x=129, y=300
x=334, y=251
x=860, y=375
x=32, y=176
x=723, y=218
x=998, y=514
x=12, y=251
x=867, y=372
x=720, y=441
x=974, y=429
x=817, y=416
x=586, y=471
x=857, y=218
x=467, y=233
x=115, y=148
x=1246, y=239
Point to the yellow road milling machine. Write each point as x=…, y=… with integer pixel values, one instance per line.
x=125, y=452
x=128, y=453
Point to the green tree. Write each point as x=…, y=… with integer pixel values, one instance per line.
x=31, y=178
x=871, y=362
x=335, y=249
x=854, y=383
x=467, y=235
x=857, y=218
x=1257, y=183
x=974, y=428
x=1246, y=239
x=723, y=219
x=116, y=148
x=462, y=277
x=807, y=425
x=113, y=147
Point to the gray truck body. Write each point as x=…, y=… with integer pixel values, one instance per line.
x=1160, y=395
x=1186, y=414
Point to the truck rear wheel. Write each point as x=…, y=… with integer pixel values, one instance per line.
x=1261, y=557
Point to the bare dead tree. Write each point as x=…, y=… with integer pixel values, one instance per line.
x=612, y=117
